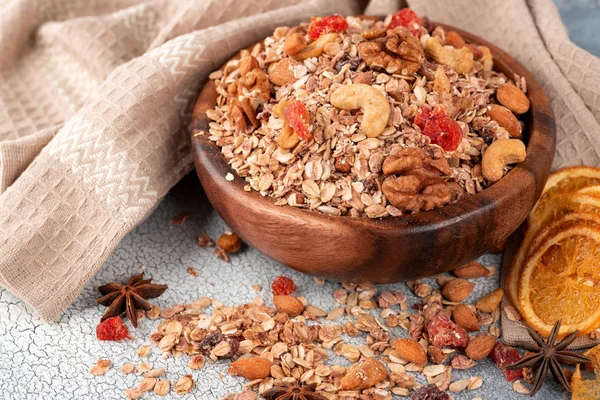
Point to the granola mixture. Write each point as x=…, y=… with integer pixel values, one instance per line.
x=359, y=117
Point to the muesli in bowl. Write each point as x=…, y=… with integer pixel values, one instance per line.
x=364, y=117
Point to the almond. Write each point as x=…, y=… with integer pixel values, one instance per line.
x=289, y=305
x=247, y=64
x=505, y=118
x=480, y=346
x=512, y=98
x=364, y=374
x=454, y=39
x=282, y=72
x=252, y=368
x=471, y=270
x=411, y=350
x=457, y=289
x=465, y=318
x=294, y=43
x=489, y=302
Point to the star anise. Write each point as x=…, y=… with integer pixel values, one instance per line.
x=129, y=297
x=293, y=392
x=549, y=354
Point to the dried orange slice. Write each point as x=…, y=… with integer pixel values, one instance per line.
x=561, y=279
x=564, y=206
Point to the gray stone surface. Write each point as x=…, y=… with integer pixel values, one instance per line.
x=41, y=360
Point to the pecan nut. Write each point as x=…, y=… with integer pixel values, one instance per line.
x=395, y=51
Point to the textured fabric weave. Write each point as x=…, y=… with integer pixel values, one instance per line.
x=95, y=100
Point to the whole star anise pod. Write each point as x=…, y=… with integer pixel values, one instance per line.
x=549, y=354
x=293, y=392
x=129, y=297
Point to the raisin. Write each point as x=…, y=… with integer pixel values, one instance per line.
x=297, y=116
x=504, y=356
x=112, y=329
x=442, y=130
x=429, y=392
x=282, y=285
x=408, y=19
x=333, y=23
x=445, y=333
x=345, y=59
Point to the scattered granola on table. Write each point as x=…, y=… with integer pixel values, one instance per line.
x=359, y=117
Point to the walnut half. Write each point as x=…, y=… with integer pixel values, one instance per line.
x=395, y=51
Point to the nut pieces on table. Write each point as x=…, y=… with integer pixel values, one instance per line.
x=309, y=115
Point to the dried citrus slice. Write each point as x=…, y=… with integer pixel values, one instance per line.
x=561, y=279
x=562, y=206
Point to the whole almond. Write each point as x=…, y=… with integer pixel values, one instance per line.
x=247, y=64
x=282, y=72
x=465, y=318
x=489, y=302
x=411, y=350
x=505, y=118
x=512, y=98
x=480, y=346
x=289, y=305
x=294, y=43
x=252, y=368
x=364, y=374
x=457, y=289
x=471, y=270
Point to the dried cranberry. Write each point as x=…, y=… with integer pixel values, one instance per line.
x=442, y=130
x=408, y=19
x=333, y=23
x=282, y=285
x=112, y=329
x=297, y=116
x=504, y=356
x=429, y=392
x=444, y=333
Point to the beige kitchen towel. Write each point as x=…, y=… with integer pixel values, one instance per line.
x=95, y=98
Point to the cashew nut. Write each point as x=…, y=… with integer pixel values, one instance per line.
x=315, y=49
x=371, y=101
x=461, y=60
x=500, y=153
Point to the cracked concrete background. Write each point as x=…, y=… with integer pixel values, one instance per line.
x=40, y=360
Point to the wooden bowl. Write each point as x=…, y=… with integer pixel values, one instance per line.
x=389, y=249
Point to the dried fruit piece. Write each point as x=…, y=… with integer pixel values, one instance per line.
x=429, y=392
x=513, y=98
x=251, y=368
x=297, y=116
x=411, y=350
x=489, y=302
x=457, y=289
x=407, y=18
x=282, y=285
x=504, y=356
x=330, y=24
x=364, y=374
x=465, y=318
x=112, y=329
x=480, y=346
x=230, y=242
x=445, y=333
x=289, y=305
x=442, y=130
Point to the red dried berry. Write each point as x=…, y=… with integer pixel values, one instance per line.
x=282, y=285
x=429, y=392
x=297, y=116
x=408, y=19
x=504, y=356
x=444, y=333
x=442, y=130
x=333, y=23
x=112, y=329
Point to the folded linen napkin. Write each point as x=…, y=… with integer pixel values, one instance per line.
x=95, y=100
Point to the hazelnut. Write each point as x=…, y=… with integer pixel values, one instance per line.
x=230, y=242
